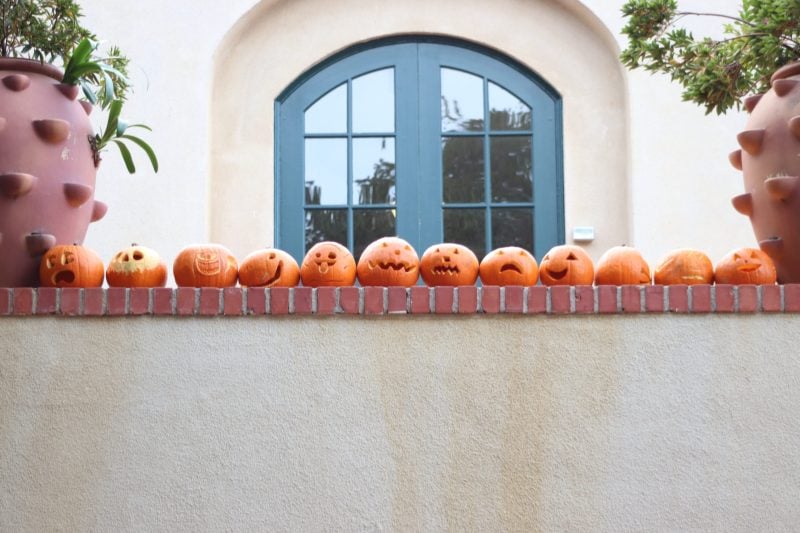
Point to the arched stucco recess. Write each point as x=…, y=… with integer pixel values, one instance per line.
x=278, y=40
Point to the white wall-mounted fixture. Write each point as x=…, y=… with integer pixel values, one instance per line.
x=583, y=233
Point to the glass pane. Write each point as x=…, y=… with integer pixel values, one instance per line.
x=373, y=102
x=510, y=162
x=512, y=227
x=373, y=170
x=506, y=111
x=462, y=168
x=462, y=101
x=326, y=225
x=329, y=113
x=326, y=171
x=467, y=227
x=370, y=225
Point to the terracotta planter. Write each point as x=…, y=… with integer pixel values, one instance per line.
x=770, y=161
x=47, y=168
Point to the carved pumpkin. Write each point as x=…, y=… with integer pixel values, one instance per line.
x=746, y=266
x=684, y=267
x=205, y=265
x=449, y=264
x=136, y=266
x=509, y=265
x=269, y=268
x=622, y=265
x=328, y=264
x=566, y=264
x=71, y=265
x=389, y=262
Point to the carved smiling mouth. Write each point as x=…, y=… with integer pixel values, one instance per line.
x=557, y=274
x=275, y=277
x=391, y=266
x=446, y=270
x=749, y=267
x=512, y=267
x=207, y=265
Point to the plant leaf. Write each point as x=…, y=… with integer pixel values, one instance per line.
x=146, y=147
x=126, y=155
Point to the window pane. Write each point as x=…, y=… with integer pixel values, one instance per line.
x=329, y=113
x=326, y=225
x=373, y=171
x=373, y=102
x=326, y=171
x=462, y=101
x=370, y=225
x=462, y=166
x=512, y=227
x=467, y=227
x=506, y=111
x=510, y=162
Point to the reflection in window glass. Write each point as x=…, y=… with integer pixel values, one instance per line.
x=326, y=225
x=329, y=113
x=326, y=171
x=512, y=227
x=507, y=112
x=510, y=164
x=373, y=102
x=462, y=101
x=373, y=170
x=462, y=168
x=467, y=227
x=370, y=225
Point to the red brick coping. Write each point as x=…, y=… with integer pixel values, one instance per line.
x=237, y=301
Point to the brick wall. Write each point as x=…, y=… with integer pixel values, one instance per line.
x=236, y=301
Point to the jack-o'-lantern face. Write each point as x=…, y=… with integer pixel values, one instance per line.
x=746, y=266
x=622, y=265
x=205, y=265
x=136, y=266
x=388, y=262
x=269, y=268
x=509, y=265
x=449, y=264
x=328, y=264
x=566, y=265
x=71, y=266
x=684, y=267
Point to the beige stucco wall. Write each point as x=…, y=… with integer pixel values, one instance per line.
x=641, y=166
x=657, y=423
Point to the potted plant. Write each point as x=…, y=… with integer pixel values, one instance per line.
x=755, y=65
x=52, y=75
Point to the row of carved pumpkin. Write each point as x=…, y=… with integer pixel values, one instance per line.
x=391, y=261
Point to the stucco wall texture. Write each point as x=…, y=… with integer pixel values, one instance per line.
x=663, y=423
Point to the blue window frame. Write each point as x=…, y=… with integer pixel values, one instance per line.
x=427, y=139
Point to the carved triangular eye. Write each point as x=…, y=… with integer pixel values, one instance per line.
x=571, y=257
x=384, y=244
x=455, y=250
x=737, y=257
x=500, y=252
x=753, y=255
x=546, y=258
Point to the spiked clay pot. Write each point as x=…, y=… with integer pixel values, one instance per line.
x=771, y=166
x=47, y=168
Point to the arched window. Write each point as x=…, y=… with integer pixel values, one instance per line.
x=427, y=139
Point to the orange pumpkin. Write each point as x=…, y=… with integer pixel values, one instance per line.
x=269, y=267
x=388, y=262
x=509, y=265
x=205, y=265
x=566, y=264
x=746, y=266
x=328, y=264
x=622, y=265
x=684, y=267
x=136, y=266
x=449, y=264
x=71, y=265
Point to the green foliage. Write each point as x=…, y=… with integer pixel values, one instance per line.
x=715, y=73
x=49, y=31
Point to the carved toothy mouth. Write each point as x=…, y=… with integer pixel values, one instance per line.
x=391, y=266
x=512, y=267
x=446, y=270
x=207, y=265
